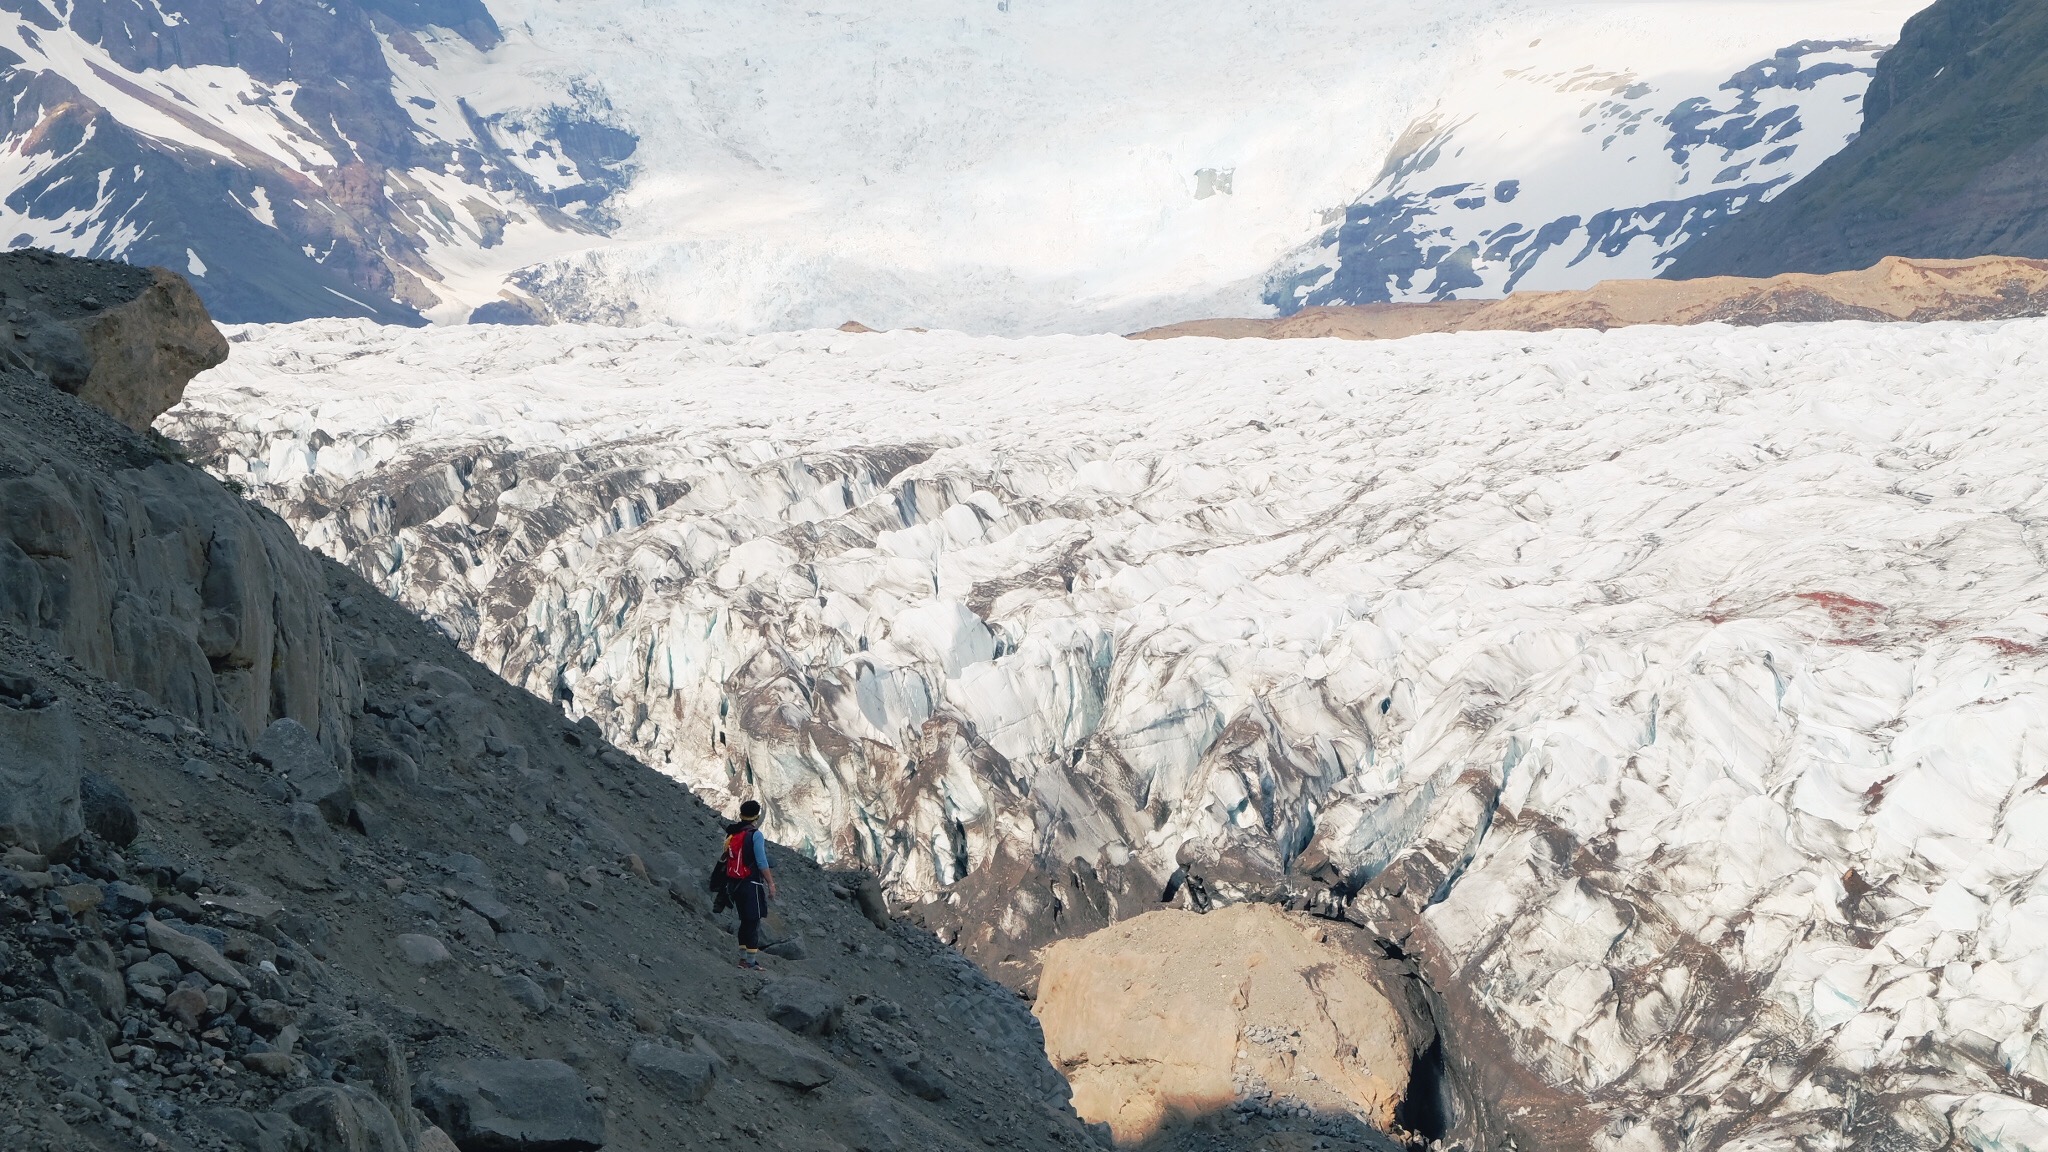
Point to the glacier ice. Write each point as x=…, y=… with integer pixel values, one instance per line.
x=1684, y=686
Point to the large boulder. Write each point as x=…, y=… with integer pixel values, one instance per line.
x=312, y=774
x=39, y=769
x=193, y=953
x=771, y=1053
x=108, y=812
x=345, y=1040
x=255, y=1131
x=805, y=1007
x=141, y=352
x=680, y=1074
x=343, y=1118
x=511, y=1106
x=1171, y=1014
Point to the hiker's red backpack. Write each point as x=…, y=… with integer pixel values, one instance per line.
x=736, y=866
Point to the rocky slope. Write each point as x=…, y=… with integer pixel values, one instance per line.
x=1665, y=698
x=1952, y=160
x=285, y=871
x=1894, y=290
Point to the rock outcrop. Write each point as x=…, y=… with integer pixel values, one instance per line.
x=145, y=350
x=1172, y=1016
x=1894, y=289
x=124, y=339
x=139, y=567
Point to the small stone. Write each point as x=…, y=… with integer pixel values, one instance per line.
x=432, y=1139
x=791, y=949
x=187, y=1006
x=917, y=1077
x=277, y=1064
x=518, y=836
x=422, y=951
x=557, y=881
x=125, y=901
x=527, y=994
x=79, y=898
x=200, y=770
x=590, y=876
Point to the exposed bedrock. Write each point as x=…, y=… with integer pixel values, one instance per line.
x=141, y=569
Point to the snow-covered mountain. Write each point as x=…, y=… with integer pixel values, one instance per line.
x=1612, y=172
x=1006, y=166
x=1674, y=694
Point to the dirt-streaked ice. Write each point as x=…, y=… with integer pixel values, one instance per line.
x=1703, y=668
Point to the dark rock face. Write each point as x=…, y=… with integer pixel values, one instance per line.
x=1952, y=161
x=332, y=223
x=106, y=809
x=511, y=1106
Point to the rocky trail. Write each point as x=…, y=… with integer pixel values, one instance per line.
x=285, y=871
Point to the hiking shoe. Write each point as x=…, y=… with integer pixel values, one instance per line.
x=751, y=964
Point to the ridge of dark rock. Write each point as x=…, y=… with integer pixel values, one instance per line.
x=1952, y=161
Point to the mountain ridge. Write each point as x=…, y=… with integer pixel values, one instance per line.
x=1952, y=160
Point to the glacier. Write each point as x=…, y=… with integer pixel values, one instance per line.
x=1678, y=693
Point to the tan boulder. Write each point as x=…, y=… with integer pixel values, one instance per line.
x=1174, y=1015
x=144, y=351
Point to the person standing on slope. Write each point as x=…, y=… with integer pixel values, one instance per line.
x=749, y=879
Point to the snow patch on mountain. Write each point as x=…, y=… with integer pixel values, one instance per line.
x=1535, y=176
x=1687, y=684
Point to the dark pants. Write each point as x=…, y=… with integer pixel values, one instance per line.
x=751, y=898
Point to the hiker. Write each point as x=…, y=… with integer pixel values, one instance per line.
x=749, y=880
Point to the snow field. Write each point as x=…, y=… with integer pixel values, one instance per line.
x=1715, y=656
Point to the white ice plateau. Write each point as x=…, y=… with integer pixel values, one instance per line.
x=1707, y=668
